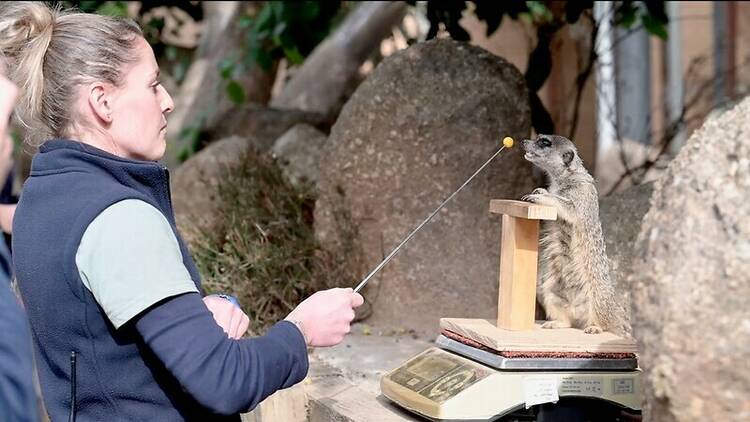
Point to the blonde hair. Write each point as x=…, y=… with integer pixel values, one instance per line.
x=50, y=52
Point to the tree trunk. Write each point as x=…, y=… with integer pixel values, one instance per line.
x=330, y=72
x=201, y=99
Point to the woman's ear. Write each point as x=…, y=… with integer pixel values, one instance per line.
x=99, y=103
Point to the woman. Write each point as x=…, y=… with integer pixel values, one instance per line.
x=17, y=395
x=112, y=293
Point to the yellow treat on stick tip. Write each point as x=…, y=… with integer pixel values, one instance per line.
x=508, y=142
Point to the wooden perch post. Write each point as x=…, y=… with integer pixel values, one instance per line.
x=519, y=250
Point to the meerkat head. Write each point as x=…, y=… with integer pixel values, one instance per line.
x=552, y=153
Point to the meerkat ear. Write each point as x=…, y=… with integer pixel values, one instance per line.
x=568, y=158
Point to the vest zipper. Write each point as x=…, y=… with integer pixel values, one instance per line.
x=72, y=416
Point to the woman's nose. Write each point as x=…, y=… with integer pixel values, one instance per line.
x=167, y=104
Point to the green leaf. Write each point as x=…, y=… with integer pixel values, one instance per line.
x=654, y=27
x=156, y=23
x=87, y=6
x=236, y=92
x=265, y=19
x=307, y=10
x=180, y=70
x=245, y=22
x=279, y=10
x=625, y=15
x=170, y=52
x=293, y=55
x=279, y=29
x=113, y=8
x=189, y=134
x=226, y=67
x=262, y=58
x=539, y=11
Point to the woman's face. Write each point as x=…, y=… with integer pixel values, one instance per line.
x=139, y=108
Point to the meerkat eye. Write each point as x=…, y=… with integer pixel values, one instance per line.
x=543, y=143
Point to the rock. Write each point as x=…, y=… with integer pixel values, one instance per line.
x=621, y=215
x=195, y=184
x=412, y=133
x=691, y=278
x=298, y=153
x=263, y=125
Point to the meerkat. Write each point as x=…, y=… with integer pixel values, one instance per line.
x=574, y=284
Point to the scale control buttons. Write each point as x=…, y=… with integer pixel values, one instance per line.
x=438, y=376
x=623, y=386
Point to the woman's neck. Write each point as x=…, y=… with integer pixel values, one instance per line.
x=100, y=140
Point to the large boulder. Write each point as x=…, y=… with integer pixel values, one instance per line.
x=412, y=133
x=692, y=278
x=621, y=214
x=195, y=184
x=263, y=125
x=298, y=153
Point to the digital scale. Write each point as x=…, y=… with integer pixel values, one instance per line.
x=511, y=368
x=457, y=382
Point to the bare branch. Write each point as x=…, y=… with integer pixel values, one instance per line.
x=584, y=75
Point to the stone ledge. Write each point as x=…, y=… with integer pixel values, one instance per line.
x=331, y=397
x=343, y=383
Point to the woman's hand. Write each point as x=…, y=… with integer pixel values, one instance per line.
x=325, y=317
x=6, y=217
x=229, y=316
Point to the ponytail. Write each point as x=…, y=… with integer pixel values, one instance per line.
x=49, y=52
x=26, y=30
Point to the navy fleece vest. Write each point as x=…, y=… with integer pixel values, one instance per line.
x=117, y=378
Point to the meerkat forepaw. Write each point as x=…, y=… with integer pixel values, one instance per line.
x=555, y=324
x=530, y=198
x=534, y=195
x=593, y=329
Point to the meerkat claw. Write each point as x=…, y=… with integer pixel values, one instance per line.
x=555, y=324
x=592, y=330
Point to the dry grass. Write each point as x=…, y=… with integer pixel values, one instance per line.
x=264, y=251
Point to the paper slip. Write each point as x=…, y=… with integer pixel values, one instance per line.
x=540, y=389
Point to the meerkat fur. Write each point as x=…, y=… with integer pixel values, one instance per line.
x=574, y=284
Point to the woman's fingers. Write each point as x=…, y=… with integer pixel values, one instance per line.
x=235, y=323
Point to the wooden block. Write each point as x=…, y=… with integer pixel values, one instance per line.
x=522, y=209
x=539, y=339
x=518, y=269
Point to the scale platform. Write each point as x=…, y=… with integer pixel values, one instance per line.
x=458, y=382
x=535, y=364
